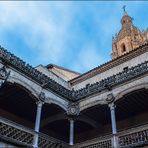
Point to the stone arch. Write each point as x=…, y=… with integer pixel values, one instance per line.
x=35, y=90
x=24, y=84
x=131, y=89
x=123, y=48
x=62, y=116
x=58, y=103
x=18, y=104
x=99, y=99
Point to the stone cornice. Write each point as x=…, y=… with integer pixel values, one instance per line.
x=109, y=82
x=108, y=65
x=43, y=80
x=91, y=89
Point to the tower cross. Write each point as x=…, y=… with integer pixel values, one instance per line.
x=124, y=8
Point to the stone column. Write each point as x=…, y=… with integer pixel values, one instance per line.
x=71, y=134
x=37, y=123
x=115, y=142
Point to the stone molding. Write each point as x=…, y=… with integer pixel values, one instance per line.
x=43, y=80
x=108, y=65
x=117, y=92
x=111, y=81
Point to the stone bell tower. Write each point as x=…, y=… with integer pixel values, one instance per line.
x=128, y=38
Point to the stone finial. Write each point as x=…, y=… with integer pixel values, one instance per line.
x=124, y=6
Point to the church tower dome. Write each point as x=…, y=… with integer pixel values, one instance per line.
x=128, y=38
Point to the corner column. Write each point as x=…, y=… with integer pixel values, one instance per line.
x=37, y=123
x=72, y=113
x=115, y=141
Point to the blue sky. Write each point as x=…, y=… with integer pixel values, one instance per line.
x=73, y=34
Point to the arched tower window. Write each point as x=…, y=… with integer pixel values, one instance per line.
x=123, y=48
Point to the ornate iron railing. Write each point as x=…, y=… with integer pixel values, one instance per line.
x=16, y=134
x=111, y=81
x=33, y=73
x=20, y=135
x=100, y=144
x=47, y=142
x=134, y=137
x=90, y=89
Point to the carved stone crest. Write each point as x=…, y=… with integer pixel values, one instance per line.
x=42, y=97
x=73, y=109
x=4, y=74
x=110, y=98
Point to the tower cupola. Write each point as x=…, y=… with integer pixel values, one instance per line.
x=128, y=38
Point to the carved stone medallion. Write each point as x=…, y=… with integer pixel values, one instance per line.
x=73, y=109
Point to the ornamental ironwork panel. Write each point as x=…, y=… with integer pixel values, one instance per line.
x=22, y=136
x=134, y=139
x=14, y=134
x=48, y=143
x=100, y=144
x=111, y=81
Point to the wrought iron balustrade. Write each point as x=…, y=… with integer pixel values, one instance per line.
x=15, y=133
x=20, y=135
x=111, y=81
x=134, y=137
x=100, y=144
x=90, y=89
x=47, y=142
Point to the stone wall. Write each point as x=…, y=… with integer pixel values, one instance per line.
x=133, y=62
x=53, y=76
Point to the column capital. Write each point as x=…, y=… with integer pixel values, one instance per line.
x=73, y=109
x=42, y=96
x=112, y=106
x=39, y=103
x=71, y=118
x=110, y=98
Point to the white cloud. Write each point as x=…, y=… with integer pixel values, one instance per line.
x=42, y=30
x=87, y=58
x=47, y=27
